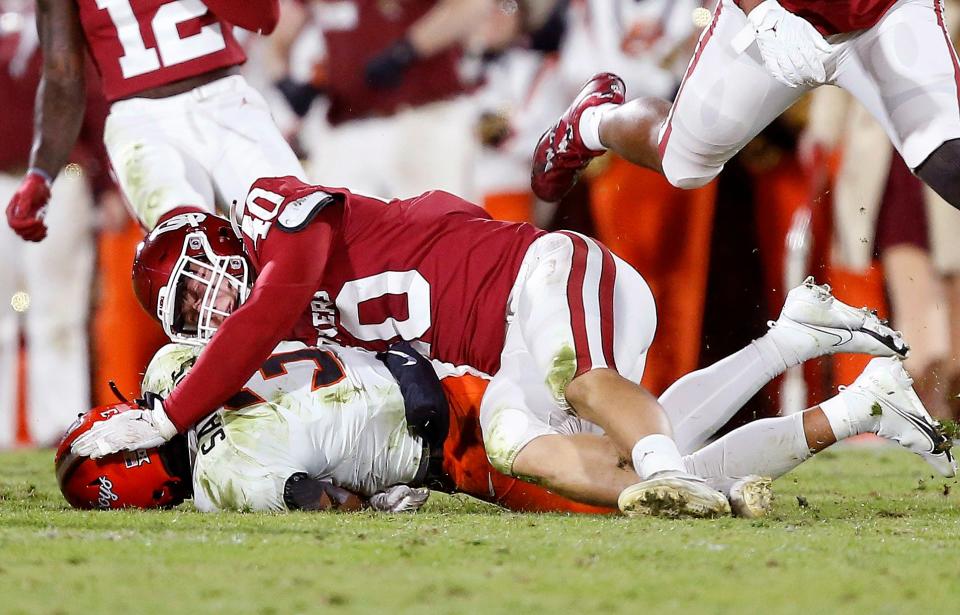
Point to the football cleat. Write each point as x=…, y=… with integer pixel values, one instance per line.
x=561, y=155
x=814, y=323
x=902, y=417
x=750, y=497
x=674, y=495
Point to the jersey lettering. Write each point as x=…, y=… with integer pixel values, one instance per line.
x=261, y=208
x=172, y=49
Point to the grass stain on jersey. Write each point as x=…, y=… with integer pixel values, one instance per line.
x=562, y=368
x=342, y=395
x=168, y=366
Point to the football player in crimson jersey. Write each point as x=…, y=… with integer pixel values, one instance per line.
x=184, y=128
x=559, y=324
x=754, y=60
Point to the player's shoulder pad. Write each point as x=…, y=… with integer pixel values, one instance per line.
x=297, y=214
x=167, y=368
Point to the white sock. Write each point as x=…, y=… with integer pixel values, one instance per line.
x=768, y=447
x=656, y=453
x=589, y=126
x=703, y=401
x=850, y=413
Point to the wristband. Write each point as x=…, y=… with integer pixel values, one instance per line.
x=41, y=174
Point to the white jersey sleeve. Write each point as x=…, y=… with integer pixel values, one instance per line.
x=334, y=413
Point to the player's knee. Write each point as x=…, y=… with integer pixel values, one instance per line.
x=503, y=437
x=683, y=171
x=587, y=390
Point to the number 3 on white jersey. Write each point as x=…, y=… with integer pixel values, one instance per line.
x=138, y=59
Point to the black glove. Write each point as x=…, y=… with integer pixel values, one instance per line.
x=298, y=95
x=427, y=411
x=385, y=70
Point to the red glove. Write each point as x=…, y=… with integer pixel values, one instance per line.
x=28, y=207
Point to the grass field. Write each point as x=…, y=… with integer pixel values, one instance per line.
x=857, y=531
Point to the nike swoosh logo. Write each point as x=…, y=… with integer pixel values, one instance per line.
x=920, y=424
x=833, y=333
x=403, y=355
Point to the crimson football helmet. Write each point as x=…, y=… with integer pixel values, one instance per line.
x=195, y=254
x=128, y=479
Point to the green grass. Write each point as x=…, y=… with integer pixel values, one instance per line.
x=876, y=534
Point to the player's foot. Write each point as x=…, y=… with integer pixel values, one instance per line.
x=675, y=495
x=902, y=417
x=750, y=496
x=561, y=155
x=814, y=323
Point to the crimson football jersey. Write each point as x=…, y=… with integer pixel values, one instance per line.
x=143, y=44
x=433, y=268
x=354, y=31
x=836, y=16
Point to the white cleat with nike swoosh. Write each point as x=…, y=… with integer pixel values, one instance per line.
x=814, y=323
x=902, y=417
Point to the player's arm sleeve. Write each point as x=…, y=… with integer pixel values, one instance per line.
x=61, y=96
x=294, y=265
x=302, y=492
x=259, y=16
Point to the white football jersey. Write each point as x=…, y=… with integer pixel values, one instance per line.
x=334, y=413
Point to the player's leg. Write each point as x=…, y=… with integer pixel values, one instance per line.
x=905, y=71
x=812, y=323
x=725, y=99
x=880, y=401
x=58, y=274
x=155, y=172
x=248, y=143
x=586, y=319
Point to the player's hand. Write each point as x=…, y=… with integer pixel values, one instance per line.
x=127, y=431
x=385, y=70
x=28, y=207
x=399, y=498
x=792, y=49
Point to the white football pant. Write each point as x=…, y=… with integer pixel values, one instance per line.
x=205, y=148
x=904, y=70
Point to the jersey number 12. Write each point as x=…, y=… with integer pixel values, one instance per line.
x=171, y=49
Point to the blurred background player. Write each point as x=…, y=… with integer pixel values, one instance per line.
x=399, y=113
x=45, y=288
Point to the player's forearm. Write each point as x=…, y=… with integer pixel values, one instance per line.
x=241, y=345
x=57, y=122
x=61, y=97
x=448, y=23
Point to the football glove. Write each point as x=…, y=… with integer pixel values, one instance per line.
x=792, y=49
x=385, y=70
x=399, y=498
x=28, y=207
x=128, y=431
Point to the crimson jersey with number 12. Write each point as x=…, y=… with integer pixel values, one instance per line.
x=434, y=268
x=143, y=44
